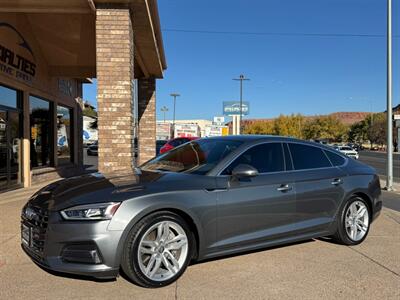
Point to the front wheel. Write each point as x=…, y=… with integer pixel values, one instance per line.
x=354, y=222
x=158, y=250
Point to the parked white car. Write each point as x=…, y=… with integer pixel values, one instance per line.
x=350, y=152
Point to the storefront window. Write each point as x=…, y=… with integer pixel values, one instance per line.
x=40, y=123
x=8, y=97
x=64, y=138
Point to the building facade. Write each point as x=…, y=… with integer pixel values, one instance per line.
x=48, y=49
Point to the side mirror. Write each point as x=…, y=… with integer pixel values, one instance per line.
x=244, y=171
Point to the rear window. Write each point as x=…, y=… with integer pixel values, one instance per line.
x=335, y=159
x=308, y=157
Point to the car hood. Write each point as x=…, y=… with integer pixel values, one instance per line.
x=99, y=188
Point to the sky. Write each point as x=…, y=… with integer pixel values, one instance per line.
x=308, y=56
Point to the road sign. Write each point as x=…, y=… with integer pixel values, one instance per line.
x=231, y=108
x=396, y=117
x=219, y=120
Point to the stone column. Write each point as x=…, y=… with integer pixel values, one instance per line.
x=147, y=119
x=115, y=62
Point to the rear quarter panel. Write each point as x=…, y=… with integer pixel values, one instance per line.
x=363, y=180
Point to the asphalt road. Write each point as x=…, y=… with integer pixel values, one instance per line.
x=378, y=161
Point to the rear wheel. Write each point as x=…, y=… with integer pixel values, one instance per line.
x=158, y=250
x=354, y=222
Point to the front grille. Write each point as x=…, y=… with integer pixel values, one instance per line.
x=36, y=219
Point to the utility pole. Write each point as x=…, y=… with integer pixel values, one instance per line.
x=164, y=109
x=241, y=79
x=174, y=95
x=389, y=166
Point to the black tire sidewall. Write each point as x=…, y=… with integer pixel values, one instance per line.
x=132, y=248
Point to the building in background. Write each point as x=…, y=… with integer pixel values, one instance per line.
x=189, y=128
x=89, y=130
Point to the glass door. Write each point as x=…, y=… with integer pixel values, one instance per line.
x=3, y=150
x=10, y=149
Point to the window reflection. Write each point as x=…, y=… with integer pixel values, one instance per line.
x=8, y=97
x=64, y=134
x=40, y=132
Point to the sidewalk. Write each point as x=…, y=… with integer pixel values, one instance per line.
x=396, y=185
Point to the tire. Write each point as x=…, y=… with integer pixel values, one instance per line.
x=345, y=224
x=137, y=265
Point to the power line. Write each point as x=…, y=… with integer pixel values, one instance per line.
x=289, y=34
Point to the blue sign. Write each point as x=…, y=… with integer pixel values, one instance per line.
x=231, y=108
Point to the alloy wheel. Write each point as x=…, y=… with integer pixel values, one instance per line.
x=163, y=250
x=357, y=220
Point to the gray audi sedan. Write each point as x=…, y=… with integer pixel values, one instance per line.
x=207, y=198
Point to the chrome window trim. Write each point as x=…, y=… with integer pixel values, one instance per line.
x=290, y=153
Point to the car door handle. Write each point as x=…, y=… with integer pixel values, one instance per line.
x=284, y=188
x=337, y=181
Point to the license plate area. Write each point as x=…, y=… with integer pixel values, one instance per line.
x=26, y=235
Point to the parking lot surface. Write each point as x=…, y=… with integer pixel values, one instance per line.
x=315, y=269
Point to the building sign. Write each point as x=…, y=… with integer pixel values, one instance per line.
x=12, y=62
x=65, y=87
x=231, y=108
x=216, y=130
x=186, y=130
x=219, y=120
x=163, y=131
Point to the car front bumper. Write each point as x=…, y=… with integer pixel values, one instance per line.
x=82, y=248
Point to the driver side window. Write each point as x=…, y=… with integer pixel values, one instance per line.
x=266, y=158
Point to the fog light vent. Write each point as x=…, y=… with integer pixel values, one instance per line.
x=81, y=253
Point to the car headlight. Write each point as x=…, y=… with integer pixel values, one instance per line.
x=97, y=211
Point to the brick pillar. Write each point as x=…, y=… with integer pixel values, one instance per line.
x=147, y=118
x=115, y=61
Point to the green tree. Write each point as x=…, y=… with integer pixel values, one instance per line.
x=358, y=132
x=325, y=127
x=259, y=127
x=89, y=111
x=289, y=125
x=377, y=130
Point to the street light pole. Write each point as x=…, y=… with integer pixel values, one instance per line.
x=241, y=79
x=164, y=109
x=174, y=95
x=389, y=166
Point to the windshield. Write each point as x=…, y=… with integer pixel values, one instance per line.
x=196, y=157
x=346, y=148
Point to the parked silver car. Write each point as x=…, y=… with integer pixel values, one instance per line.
x=204, y=199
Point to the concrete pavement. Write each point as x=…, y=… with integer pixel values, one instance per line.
x=309, y=270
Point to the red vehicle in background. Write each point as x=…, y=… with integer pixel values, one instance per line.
x=176, y=142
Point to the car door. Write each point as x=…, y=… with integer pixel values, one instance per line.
x=250, y=210
x=318, y=186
